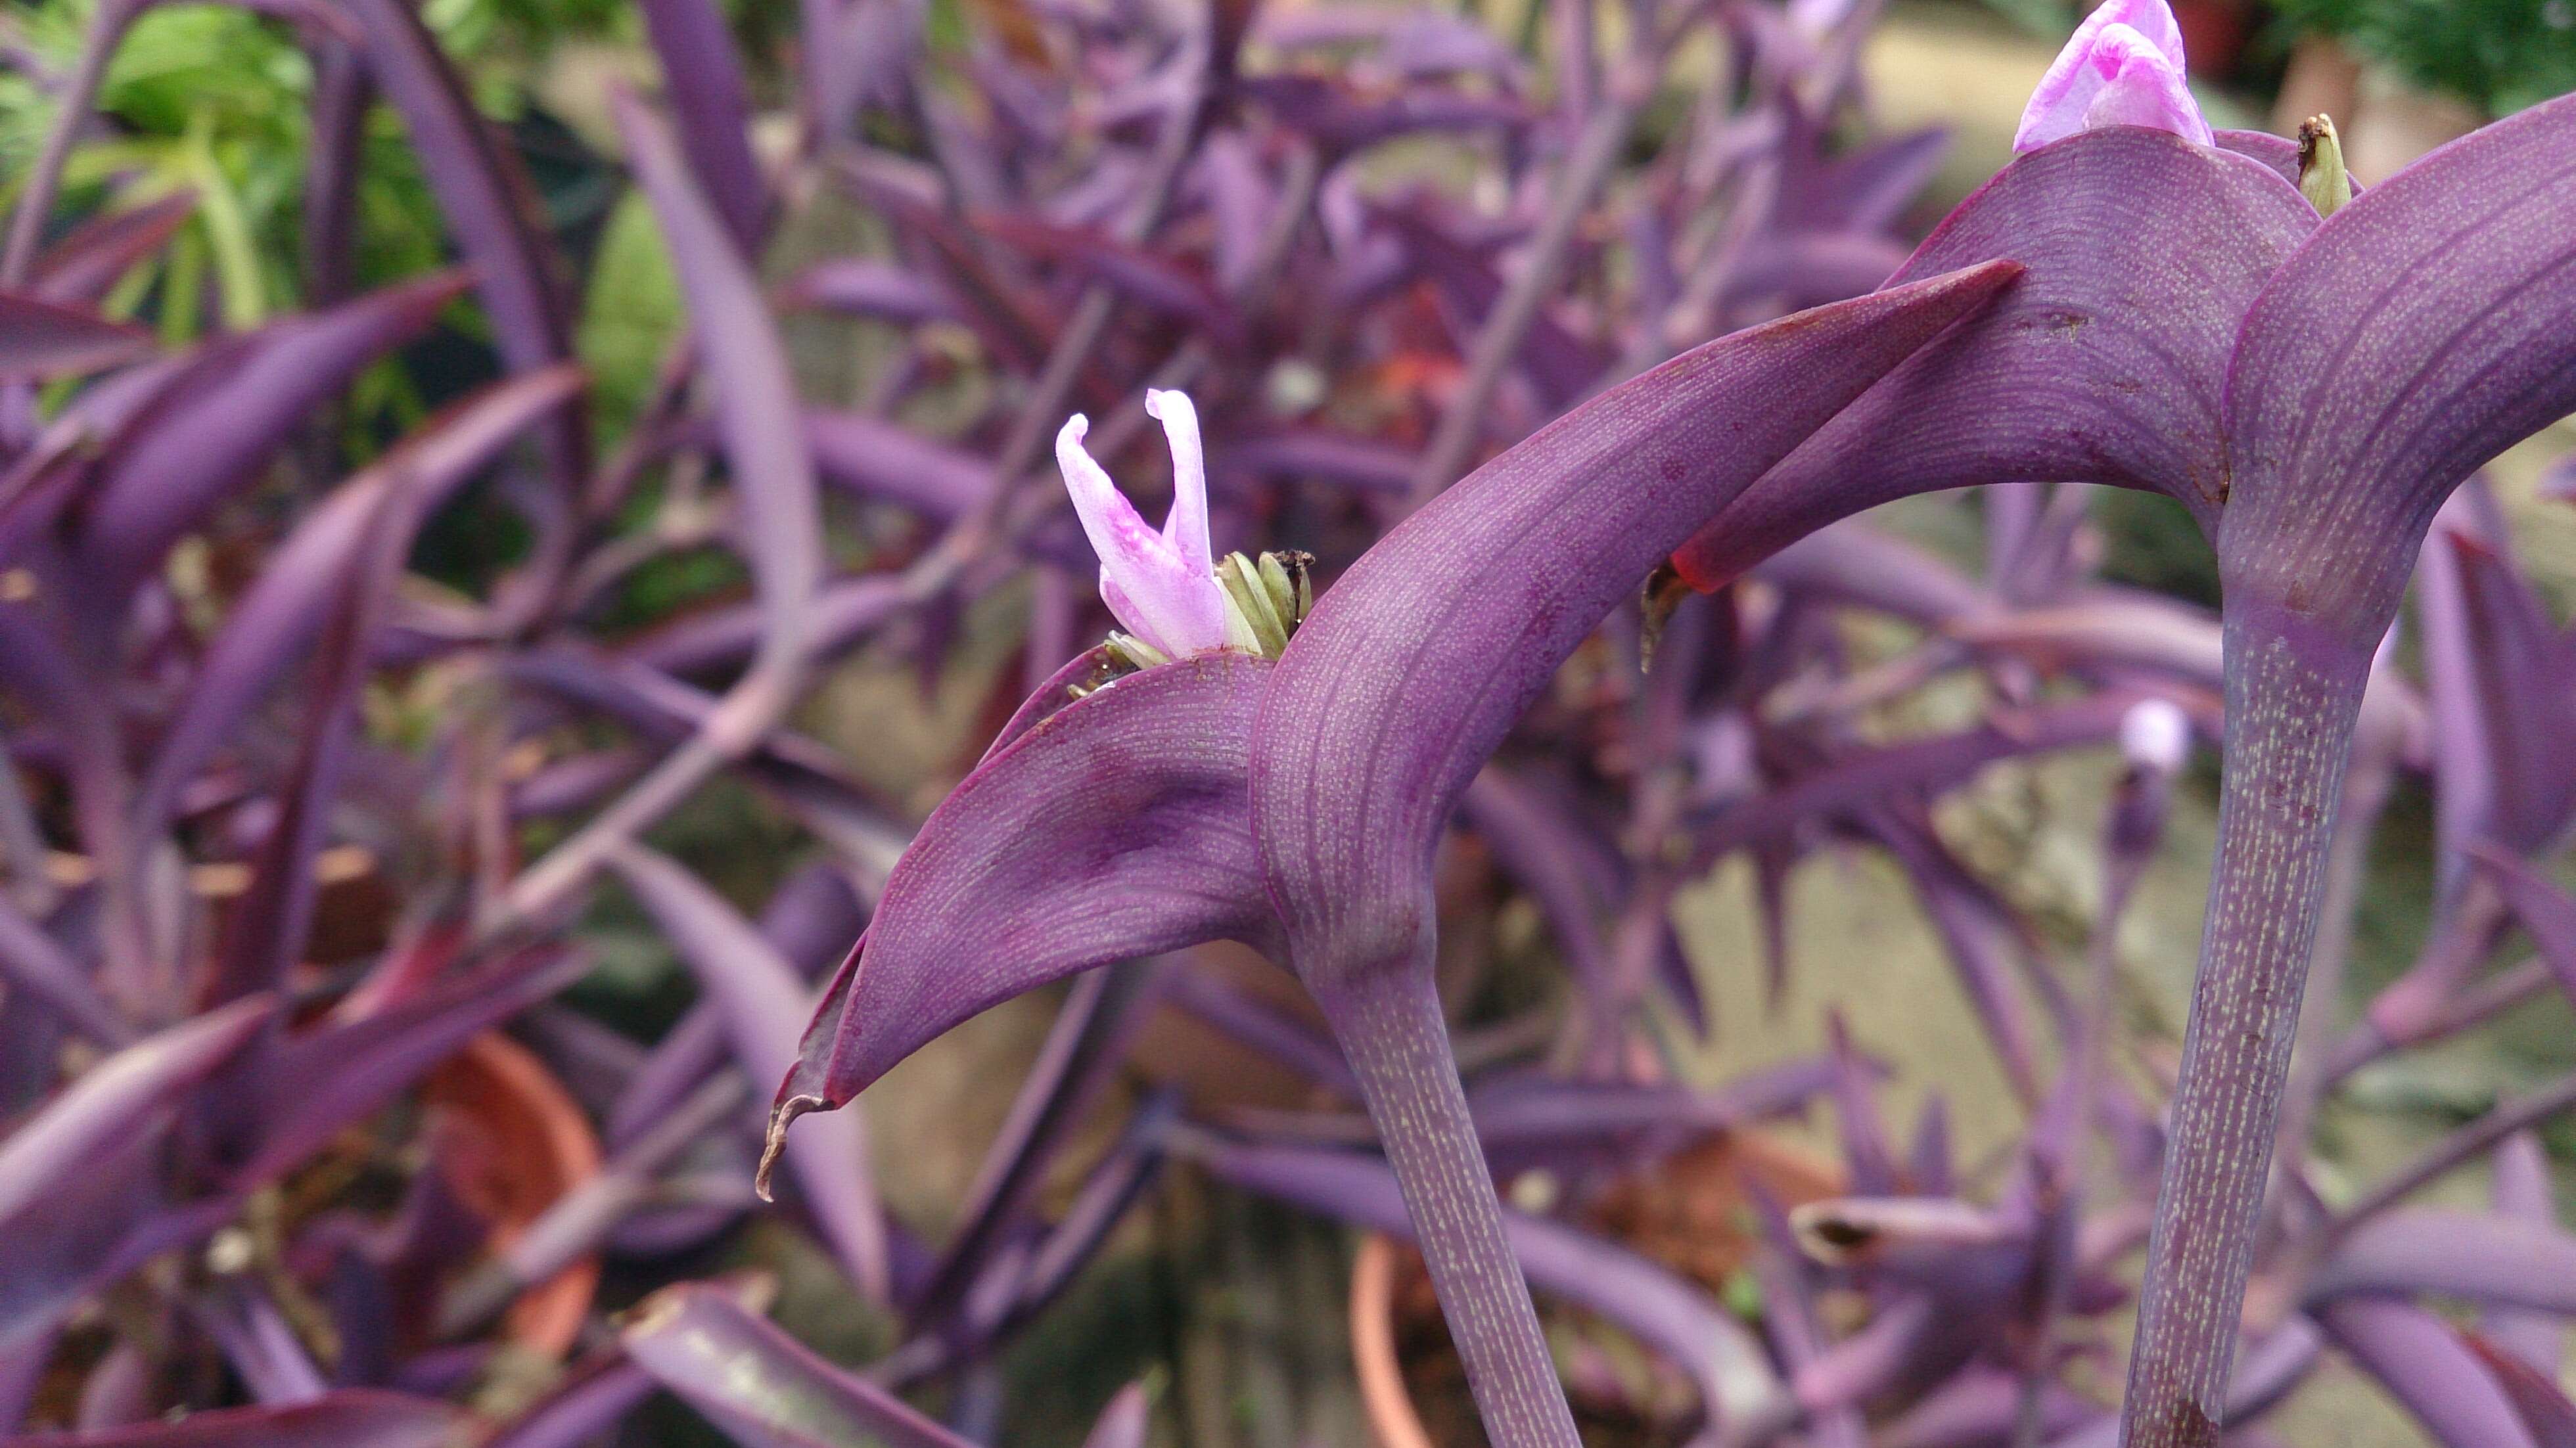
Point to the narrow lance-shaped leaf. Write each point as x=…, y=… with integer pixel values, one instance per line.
x=2524, y=673
x=809, y=921
x=2487, y=1259
x=744, y=364
x=2107, y=363
x=1419, y=659
x=343, y=92
x=486, y=198
x=1664, y=1312
x=41, y=340
x=2534, y=1392
x=2522, y=1192
x=348, y=1418
x=1123, y=1424
x=34, y=963
x=281, y=613
x=765, y=1005
x=2424, y=1363
x=87, y=262
x=1112, y=829
x=702, y=74
x=2546, y=912
x=746, y=369
x=73, y=1177
x=227, y=418
x=764, y=1388
x=266, y=931
x=1083, y=1049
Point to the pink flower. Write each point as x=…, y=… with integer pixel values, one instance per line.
x=2123, y=68
x=1162, y=586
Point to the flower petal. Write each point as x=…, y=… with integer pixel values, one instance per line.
x=1186, y=528
x=2131, y=49
x=1144, y=578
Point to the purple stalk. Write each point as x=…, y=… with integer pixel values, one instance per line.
x=2290, y=721
x=2422, y=330
x=1389, y=1024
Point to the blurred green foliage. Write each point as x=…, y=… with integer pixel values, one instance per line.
x=218, y=100
x=2499, y=54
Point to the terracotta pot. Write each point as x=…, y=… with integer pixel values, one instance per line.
x=513, y=1141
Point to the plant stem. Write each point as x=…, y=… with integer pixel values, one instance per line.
x=2293, y=698
x=1388, y=1020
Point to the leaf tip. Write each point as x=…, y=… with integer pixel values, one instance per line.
x=781, y=1117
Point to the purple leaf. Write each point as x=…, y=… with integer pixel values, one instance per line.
x=2425, y=1365
x=348, y=1418
x=745, y=367
x=2522, y=1192
x=765, y=1005
x=343, y=94
x=1114, y=829
x=41, y=339
x=2547, y=912
x=1084, y=1049
x=2533, y=1391
x=1414, y=665
x=590, y=1401
x=2521, y=674
x=2499, y=1260
x=34, y=963
x=809, y=921
x=242, y=401
x=1149, y=280
x=327, y=1076
x=702, y=77
x=86, y=264
x=1265, y=1028
x=1664, y=1312
x=278, y=618
x=2105, y=363
x=76, y=1176
x=2425, y=328
x=762, y=1387
x=868, y=288
x=266, y=932
x=487, y=200
x=1124, y=1422
x=881, y=461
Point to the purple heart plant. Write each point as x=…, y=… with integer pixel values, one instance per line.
x=361, y=757
x=2136, y=301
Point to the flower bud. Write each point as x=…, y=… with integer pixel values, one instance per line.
x=2322, y=178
